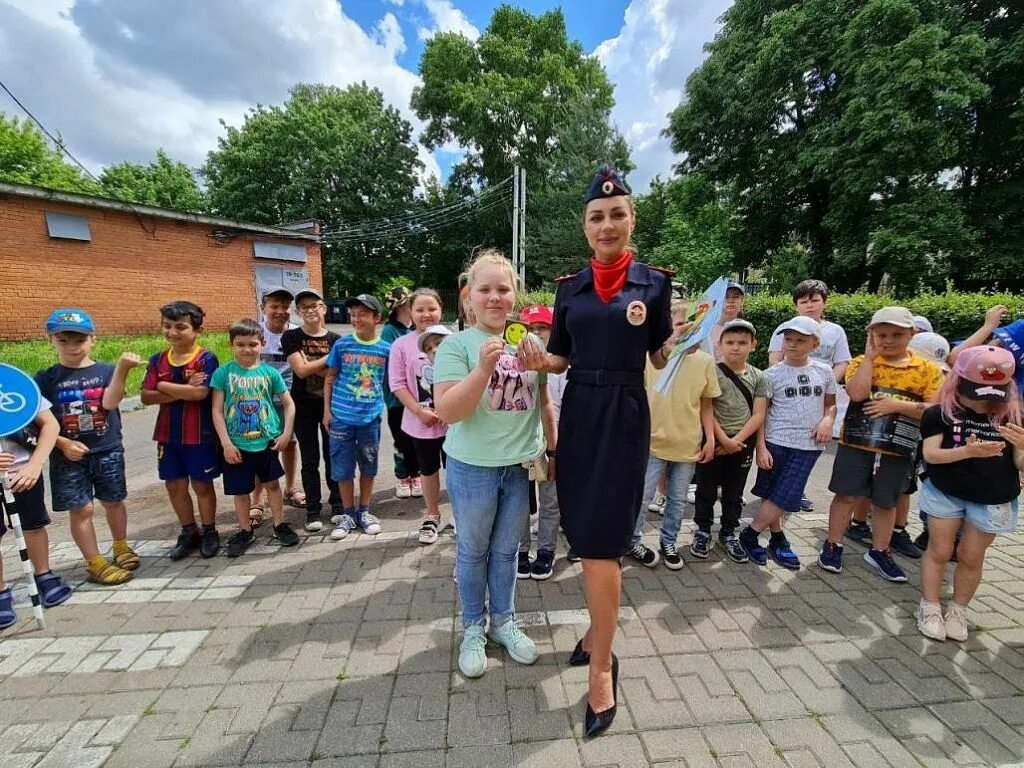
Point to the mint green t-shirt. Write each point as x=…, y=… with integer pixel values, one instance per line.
x=249, y=410
x=505, y=426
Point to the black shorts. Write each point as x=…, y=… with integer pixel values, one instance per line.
x=429, y=454
x=875, y=476
x=262, y=466
x=31, y=507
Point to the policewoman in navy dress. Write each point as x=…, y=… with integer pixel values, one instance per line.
x=608, y=319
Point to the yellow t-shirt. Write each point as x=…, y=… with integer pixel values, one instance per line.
x=676, y=432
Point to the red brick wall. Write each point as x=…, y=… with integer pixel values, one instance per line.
x=125, y=274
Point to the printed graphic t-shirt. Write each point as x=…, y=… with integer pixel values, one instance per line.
x=274, y=356
x=797, y=396
x=313, y=348
x=675, y=417
x=249, y=411
x=357, y=397
x=411, y=370
x=504, y=428
x=991, y=480
x=77, y=397
x=187, y=422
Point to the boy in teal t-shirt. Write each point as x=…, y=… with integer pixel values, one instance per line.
x=250, y=431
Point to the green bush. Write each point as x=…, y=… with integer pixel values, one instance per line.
x=535, y=297
x=953, y=315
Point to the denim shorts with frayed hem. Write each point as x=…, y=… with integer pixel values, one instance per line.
x=987, y=518
x=353, y=445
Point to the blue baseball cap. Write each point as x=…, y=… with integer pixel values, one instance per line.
x=65, y=319
x=1012, y=339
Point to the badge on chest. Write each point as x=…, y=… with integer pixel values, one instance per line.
x=636, y=313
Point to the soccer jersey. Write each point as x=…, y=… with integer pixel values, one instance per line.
x=188, y=422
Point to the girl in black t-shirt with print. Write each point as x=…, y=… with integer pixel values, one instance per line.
x=974, y=451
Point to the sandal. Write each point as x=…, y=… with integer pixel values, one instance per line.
x=127, y=560
x=256, y=513
x=52, y=591
x=109, y=575
x=8, y=617
x=295, y=499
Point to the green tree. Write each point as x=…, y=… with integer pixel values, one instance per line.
x=342, y=156
x=524, y=94
x=27, y=157
x=839, y=122
x=164, y=183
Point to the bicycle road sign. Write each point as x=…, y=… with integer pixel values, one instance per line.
x=19, y=399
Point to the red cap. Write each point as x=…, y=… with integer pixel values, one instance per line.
x=536, y=313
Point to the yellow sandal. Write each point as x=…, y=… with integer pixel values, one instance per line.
x=127, y=560
x=108, y=574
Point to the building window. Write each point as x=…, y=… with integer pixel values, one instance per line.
x=280, y=251
x=66, y=226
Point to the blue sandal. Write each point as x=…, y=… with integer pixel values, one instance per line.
x=783, y=554
x=7, y=615
x=52, y=591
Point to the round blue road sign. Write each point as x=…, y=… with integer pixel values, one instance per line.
x=19, y=399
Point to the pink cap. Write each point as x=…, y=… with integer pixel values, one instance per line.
x=985, y=372
x=536, y=313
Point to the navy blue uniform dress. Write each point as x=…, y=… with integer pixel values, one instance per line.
x=604, y=429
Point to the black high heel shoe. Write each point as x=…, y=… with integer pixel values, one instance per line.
x=595, y=723
x=579, y=658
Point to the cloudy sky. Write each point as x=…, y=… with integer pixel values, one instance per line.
x=121, y=78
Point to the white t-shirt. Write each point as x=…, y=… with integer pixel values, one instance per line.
x=833, y=349
x=274, y=356
x=21, y=453
x=797, y=403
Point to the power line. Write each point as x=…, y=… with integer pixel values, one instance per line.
x=66, y=151
x=410, y=216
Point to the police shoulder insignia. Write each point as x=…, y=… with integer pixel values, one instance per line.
x=664, y=270
x=566, y=278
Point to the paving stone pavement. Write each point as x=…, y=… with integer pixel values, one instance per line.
x=337, y=654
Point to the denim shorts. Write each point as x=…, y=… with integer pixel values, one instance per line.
x=987, y=518
x=74, y=484
x=784, y=483
x=351, y=445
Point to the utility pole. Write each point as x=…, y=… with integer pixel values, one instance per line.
x=515, y=221
x=522, y=227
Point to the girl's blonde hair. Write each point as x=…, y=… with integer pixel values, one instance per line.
x=679, y=307
x=491, y=257
x=426, y=292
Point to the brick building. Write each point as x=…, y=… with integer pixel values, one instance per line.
x=121, y=262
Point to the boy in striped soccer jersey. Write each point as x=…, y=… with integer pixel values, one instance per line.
x=178, y=380
x=354, y=390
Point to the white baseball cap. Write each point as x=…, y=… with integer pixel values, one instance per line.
x=923, y=324
x=434, y=330
x=931, y=346
x=806, y=325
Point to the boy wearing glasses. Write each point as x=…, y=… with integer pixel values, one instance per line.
x=306, y=349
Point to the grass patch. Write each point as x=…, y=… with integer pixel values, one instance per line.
x=34, y=356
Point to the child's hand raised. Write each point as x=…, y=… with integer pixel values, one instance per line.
x=129, y=360
x=994, y=317
x=490, y=351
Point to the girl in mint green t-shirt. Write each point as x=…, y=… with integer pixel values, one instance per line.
x=500, y=420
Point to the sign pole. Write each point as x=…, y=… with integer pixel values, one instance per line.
x=19, y=537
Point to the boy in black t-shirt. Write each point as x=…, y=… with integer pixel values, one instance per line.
x=89, y=460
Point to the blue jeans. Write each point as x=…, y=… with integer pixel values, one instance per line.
x=678, y=484
x=490, y=505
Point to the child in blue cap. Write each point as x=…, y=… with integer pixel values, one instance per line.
x=89, y=460
x=1010, y=337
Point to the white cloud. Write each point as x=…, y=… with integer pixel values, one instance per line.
x=661, y=42
x=121, y=78
x=447, y=18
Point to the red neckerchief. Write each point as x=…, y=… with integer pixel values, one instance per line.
x=609, y=278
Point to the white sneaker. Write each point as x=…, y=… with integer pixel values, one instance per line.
x=428, y=531
x=929, y=621
x=956, y=622
x=344, y=527
x=534, y=524
x=416, y=487
x=658, y=504
x=403, y=490
x=691, y=494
